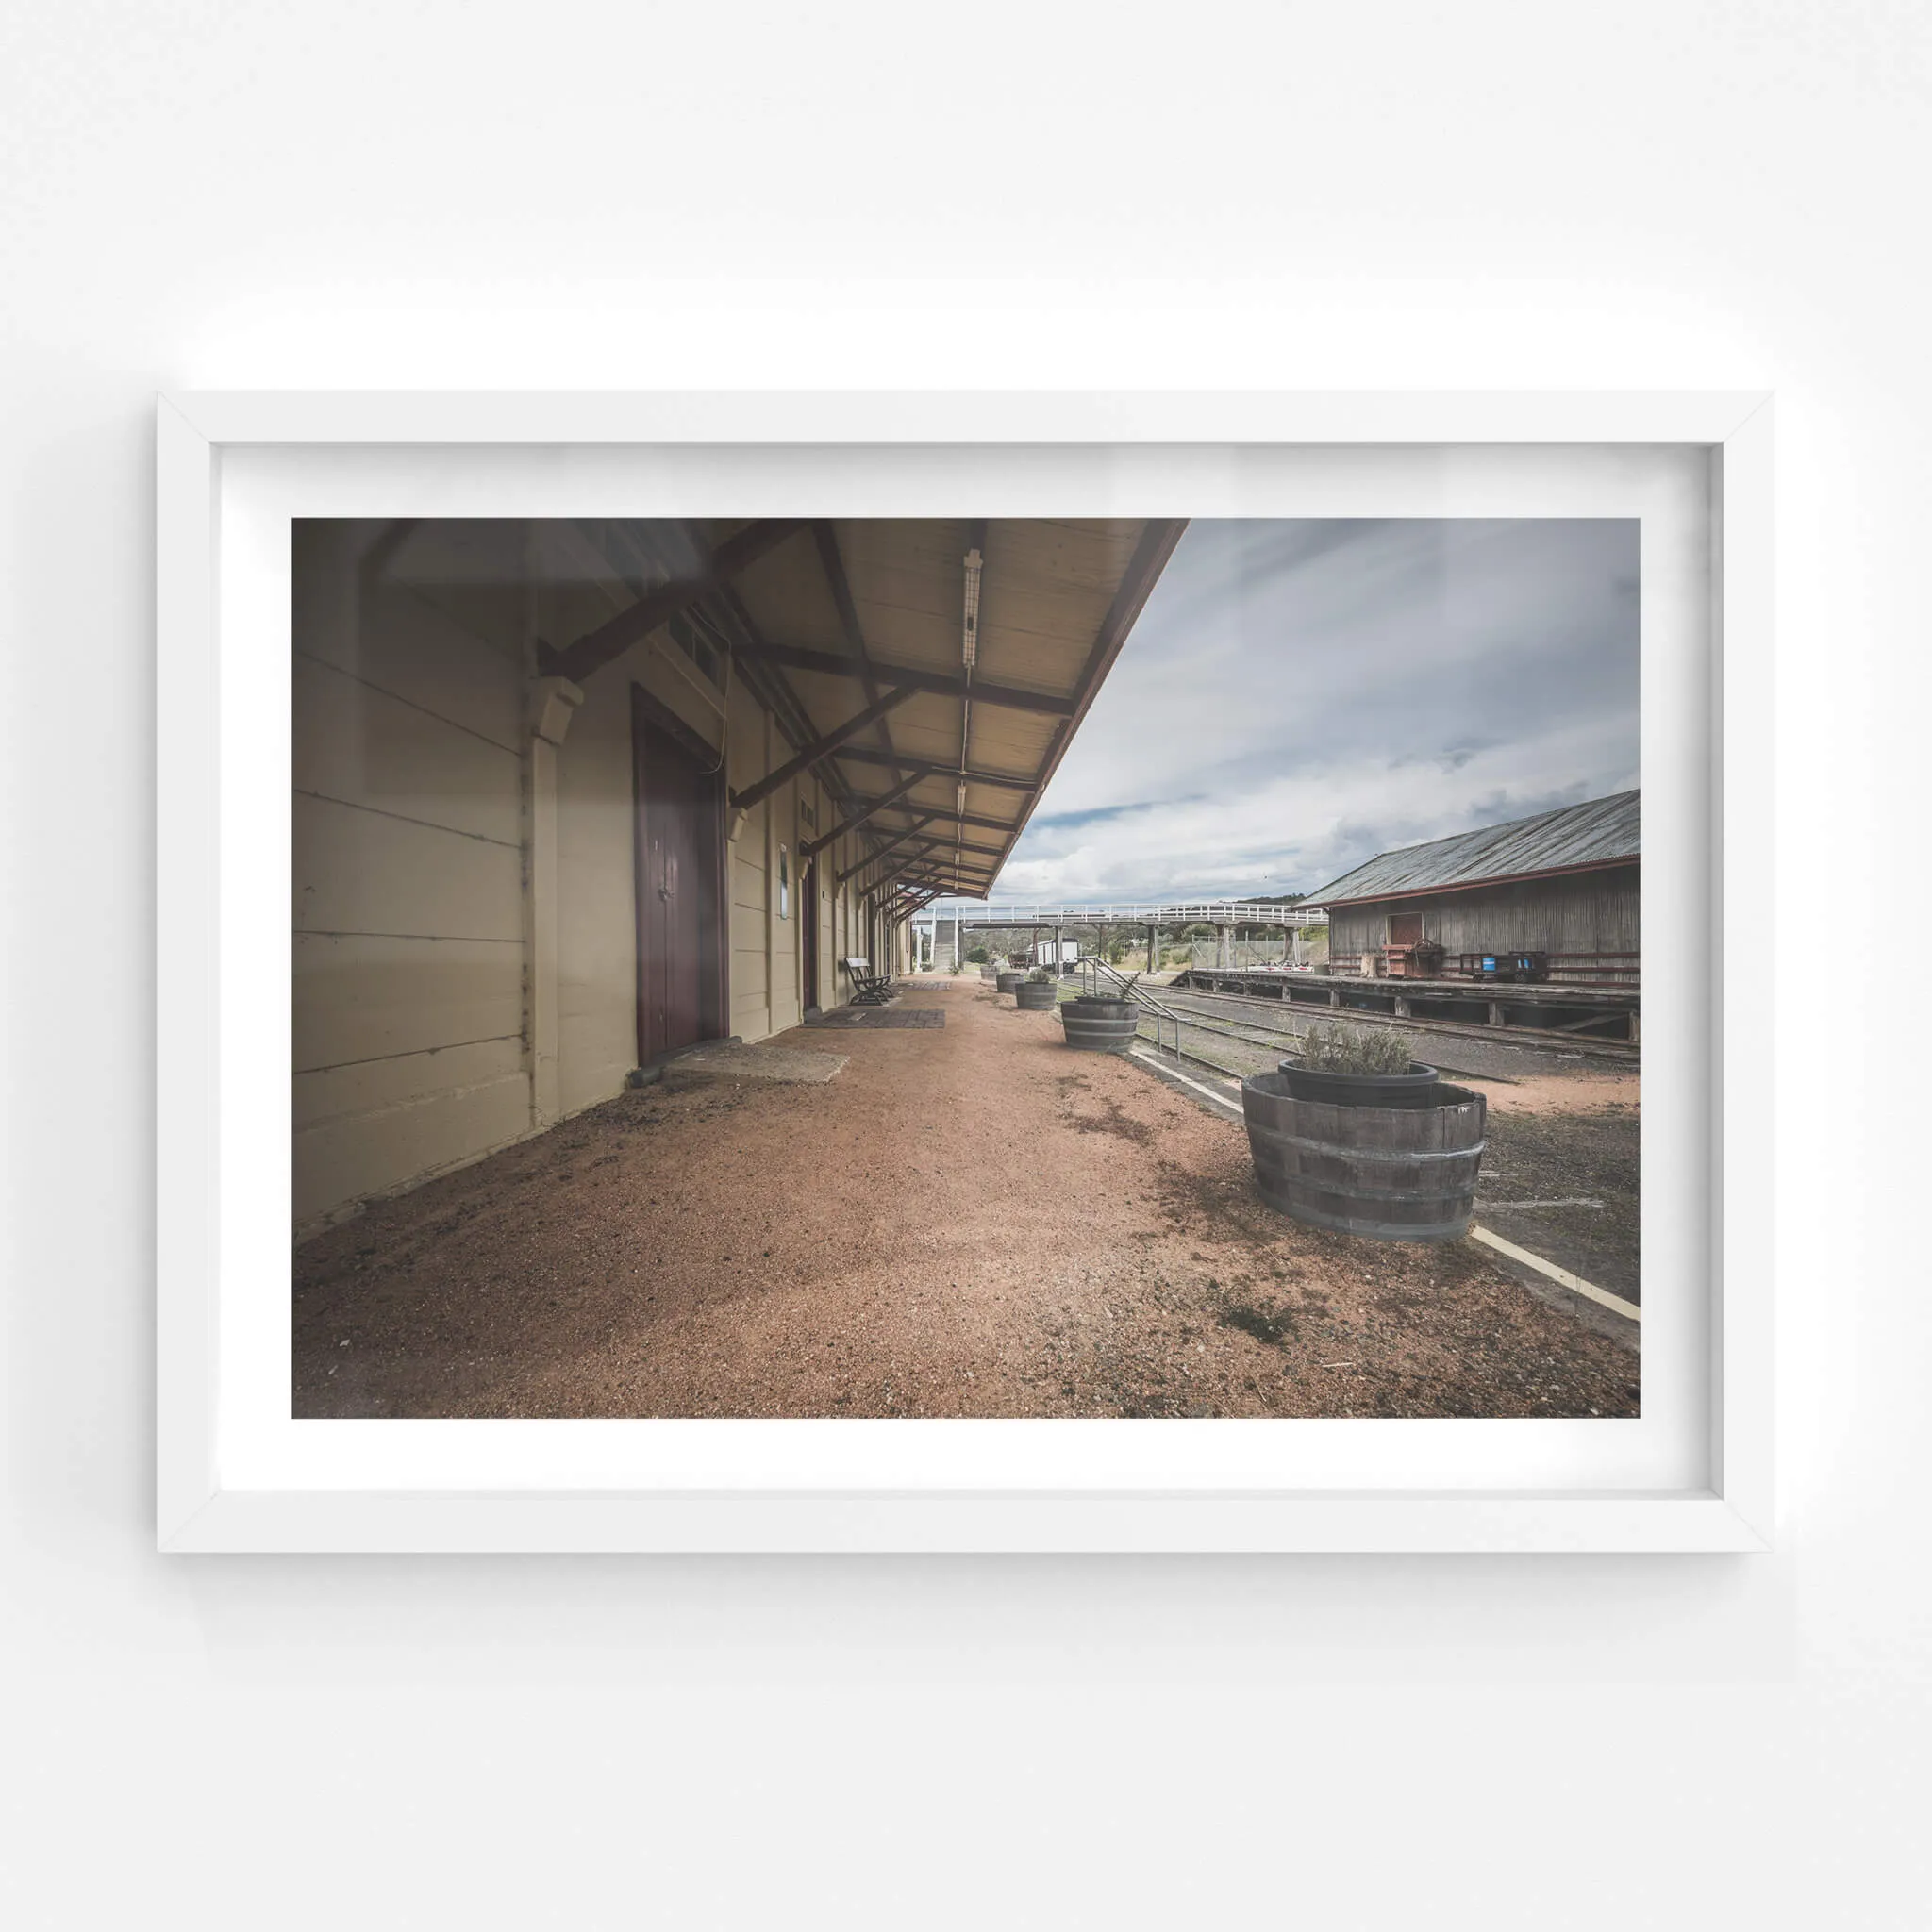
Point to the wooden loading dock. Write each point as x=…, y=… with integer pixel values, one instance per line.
x=1608, y=1015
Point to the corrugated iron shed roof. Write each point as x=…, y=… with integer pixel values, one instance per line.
x=1599, y=832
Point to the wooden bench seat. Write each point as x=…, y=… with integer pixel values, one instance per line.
x=869, y=988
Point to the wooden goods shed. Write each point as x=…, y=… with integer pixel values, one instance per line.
x=1562, y=883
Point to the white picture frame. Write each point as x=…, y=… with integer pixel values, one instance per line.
x=203, y=1506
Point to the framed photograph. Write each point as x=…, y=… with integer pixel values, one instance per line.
x=962, y=972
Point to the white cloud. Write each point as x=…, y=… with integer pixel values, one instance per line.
x=1299, y=697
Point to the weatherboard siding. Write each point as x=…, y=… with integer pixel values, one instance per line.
x=1582, y=912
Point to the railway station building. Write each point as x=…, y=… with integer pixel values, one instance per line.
x=574, y=797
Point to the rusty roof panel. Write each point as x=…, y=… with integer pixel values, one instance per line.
x=1599, y=832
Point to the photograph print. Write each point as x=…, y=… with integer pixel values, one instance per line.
x=1009, y=968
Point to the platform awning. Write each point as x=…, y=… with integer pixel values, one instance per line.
x=934, y=671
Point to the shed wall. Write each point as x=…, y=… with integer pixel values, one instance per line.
x=1593, y=914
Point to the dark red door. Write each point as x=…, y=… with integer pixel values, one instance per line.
x=677, y=891
x=808, y=935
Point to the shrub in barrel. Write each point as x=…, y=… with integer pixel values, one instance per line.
x=1036, y=993
x=1358, y=1138
x=1367, y=1066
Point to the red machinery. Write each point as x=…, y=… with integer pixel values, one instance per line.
x=1422, y=960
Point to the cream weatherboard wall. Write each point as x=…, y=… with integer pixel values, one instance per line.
x=409, y=945
x=464, y=902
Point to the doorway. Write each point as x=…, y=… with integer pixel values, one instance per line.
x=808, y=937
x=679, y=856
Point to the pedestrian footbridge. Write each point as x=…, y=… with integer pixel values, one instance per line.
x=971, y=913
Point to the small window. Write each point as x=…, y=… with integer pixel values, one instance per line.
x=688, y=633
x=784, y=883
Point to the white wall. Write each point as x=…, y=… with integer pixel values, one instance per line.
x=1659, y=193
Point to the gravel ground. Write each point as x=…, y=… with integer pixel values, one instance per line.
x=966, y=1221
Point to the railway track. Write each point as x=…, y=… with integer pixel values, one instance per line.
x=1537, y=1038
x=1275, y=1039
x=1199, y=1060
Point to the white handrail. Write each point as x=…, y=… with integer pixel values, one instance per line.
x=983, y=912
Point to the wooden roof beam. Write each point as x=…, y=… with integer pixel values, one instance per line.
x=963, y=885
x=873, y=858
x=914, y=677
x=867, y=809
x=1011, y=781
x=955, y=818
x=612, y=639
x=820, y=747
x=946, y=845
x=905, y=865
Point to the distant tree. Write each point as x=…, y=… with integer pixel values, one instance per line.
x=975, y=956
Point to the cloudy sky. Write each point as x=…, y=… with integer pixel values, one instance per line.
x=1299, y=697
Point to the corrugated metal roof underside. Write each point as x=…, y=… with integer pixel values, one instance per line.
x=1599, y=832
x=1045, y=592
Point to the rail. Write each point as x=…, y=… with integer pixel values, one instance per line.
x=1094, y=974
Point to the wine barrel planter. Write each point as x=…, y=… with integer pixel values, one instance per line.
x=1011, y=982
x=1394, y=1173
x=990, y=974
x=1035, y=997
x=1415, y=1087
x=1100, y=1026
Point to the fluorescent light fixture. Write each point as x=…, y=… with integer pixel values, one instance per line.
x=968, y=647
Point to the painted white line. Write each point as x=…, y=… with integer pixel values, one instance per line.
x=1575, y=1283
x=1168, y=1072
x=1566, y=1201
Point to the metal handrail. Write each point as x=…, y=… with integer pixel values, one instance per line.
x=1092, y=970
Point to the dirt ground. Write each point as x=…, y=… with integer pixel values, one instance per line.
x=1587, y=1090
x=1561, y=1180
x=969, y=1221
